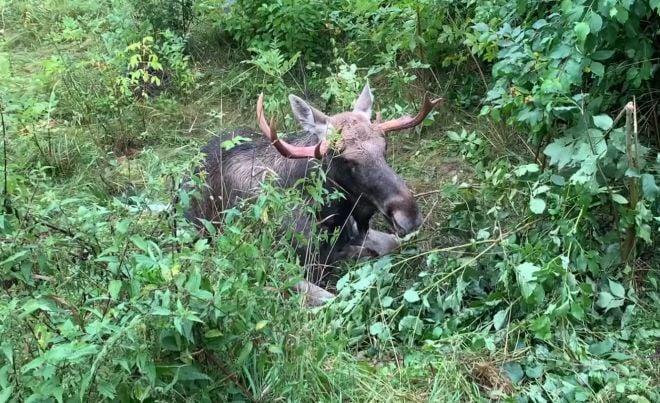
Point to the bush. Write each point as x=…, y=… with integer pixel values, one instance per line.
x=140, y=312
x=292, y=26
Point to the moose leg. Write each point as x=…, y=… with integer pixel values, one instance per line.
x=354, y=244
x=314, y=295
x=374, y=244
x=379, y=242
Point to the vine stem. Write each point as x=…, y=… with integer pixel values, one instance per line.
x=5, y=190
x=632, y=149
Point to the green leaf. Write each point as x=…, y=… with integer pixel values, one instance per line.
x=649, y=188
x=603, y=122
x=595, y=22
x=453, y=136
x=245, y=352
x=607, y=301
x=581, y=30
x=537, y=205
x=617, y=289
x=113, y=288
x=140, y=243
x=524, y=169
x=411, y=296
x=500, y=318
x=559, y=152
x=411, y=322
x=620, y=13
x=541, y=327
x=160, y=311
x=617, y=198
x=192, y=373
x=122, y=226
x=534, y=372
x=387, y=301
x=148, y=368
x=597, y=68
x=194, y=280
x=587, y=170
x=527, y=278
x=601, y=348
x=343, y=281
x=514, y=371
x=377, y=328
x=560, y=52
x=365, y=282
x=106, y=389
x=654, y=4
x=260, y=325
x=212, y=333
x=538, y=24
x=13, y=258
x=638, y=399
x=540, y=190
x=80, y=350
x=33, y=364
x=32, y=305
x=6, y=394
x=601, y=55
x=8, y=351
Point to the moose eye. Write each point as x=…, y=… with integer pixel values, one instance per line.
x=350, y=166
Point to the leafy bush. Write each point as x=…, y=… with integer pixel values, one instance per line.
x=293, y=26
x=141, y=312
x=166, y=15
x=527, y=279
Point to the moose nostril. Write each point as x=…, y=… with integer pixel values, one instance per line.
x=419, y=220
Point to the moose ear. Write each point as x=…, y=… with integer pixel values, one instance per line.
x=364, y=102
x=311, y=119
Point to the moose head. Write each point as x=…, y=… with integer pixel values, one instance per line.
x=356, y=158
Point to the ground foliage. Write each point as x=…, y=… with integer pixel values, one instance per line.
x=534, y=278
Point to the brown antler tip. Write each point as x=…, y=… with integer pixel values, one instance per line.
x=260, y=105
x=272, y=127
x=321, y=149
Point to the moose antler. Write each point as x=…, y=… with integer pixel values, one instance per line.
x=406, y=122
x=287, y=150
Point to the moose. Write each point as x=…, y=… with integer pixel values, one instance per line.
x=354, y=164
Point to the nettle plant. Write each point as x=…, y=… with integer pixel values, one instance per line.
x=273, y=66
x=103, y=301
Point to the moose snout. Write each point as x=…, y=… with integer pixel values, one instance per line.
x=403, y=214
x=405, y=221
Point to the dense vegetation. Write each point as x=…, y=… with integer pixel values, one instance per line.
x=535, y=277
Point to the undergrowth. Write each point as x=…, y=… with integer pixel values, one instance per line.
x=534, y=277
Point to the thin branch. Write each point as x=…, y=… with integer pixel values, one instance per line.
x=230, y=375
x=5, y=191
